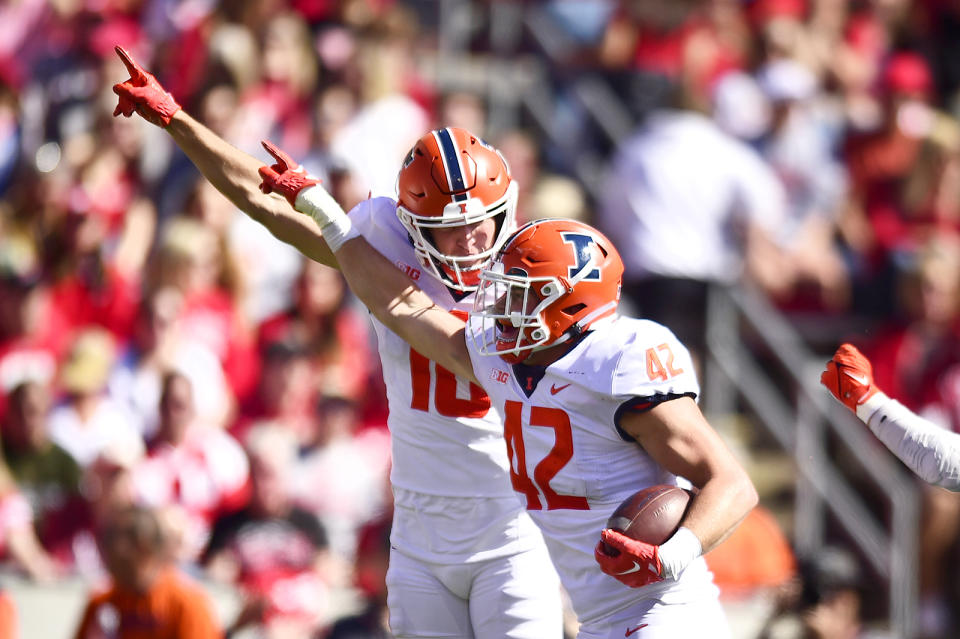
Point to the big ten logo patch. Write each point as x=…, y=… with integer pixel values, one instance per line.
x=499, y=376
x=412, y=273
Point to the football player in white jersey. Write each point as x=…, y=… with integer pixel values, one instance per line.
x=466, y=560
x=595, y=408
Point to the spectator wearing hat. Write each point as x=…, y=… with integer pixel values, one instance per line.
x=88, y=419
x=876, y=224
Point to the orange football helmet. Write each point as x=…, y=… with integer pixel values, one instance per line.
x=453, y=178
x=551, y=281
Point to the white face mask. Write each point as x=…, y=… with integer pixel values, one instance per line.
x=459, y=271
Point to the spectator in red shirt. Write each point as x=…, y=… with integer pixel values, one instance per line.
x=193, y=261
x=89, y=287
x=193, y=471
x=334, y=333
x=876, y=224
x=275, y=551
x=286, y=394
x=31, y=333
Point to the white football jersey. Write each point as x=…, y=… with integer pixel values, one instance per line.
x=571, y=463
x=446, y=438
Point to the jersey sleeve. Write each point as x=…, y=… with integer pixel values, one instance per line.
x=654, y=364
x=472, y=334
x=376, y=219
x=654, y=368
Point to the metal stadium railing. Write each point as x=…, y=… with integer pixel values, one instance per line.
x=799, y=426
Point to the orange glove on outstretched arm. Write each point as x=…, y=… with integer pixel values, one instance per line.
x=144, y=94
x=930, y=451
x=286, y=176
x=307, y=196
x=849, y=378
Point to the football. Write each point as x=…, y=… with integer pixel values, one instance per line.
x=651, y=515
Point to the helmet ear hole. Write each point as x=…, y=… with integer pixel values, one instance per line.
x=573, y=309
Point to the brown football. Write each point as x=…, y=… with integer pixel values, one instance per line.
x=652, y=514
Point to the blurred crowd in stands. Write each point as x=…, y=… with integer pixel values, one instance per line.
x=159, y=350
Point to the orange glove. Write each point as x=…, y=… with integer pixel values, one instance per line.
x=849, y=377
x=143, y=94
x=636, y=563
x=286, y=177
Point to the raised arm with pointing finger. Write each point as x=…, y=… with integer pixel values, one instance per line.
x=233, y=172
x=412, y=314
x=460, y=540
x=931, y=452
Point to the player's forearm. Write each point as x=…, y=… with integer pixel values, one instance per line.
x=404, y=308
x=933, y=453
x=235, y=174
x=719, y=506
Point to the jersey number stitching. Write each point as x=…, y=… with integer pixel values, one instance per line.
x=656, y=369
x=445, y=398
x=549, y=466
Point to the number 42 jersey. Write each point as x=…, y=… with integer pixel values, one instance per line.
x=570, y=461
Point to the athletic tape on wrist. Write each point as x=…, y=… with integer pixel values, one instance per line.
x=329, y=216
x=677, y=552
x=866, y=410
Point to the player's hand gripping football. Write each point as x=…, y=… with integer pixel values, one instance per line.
x=849, y=377
x=637, y=564
x=286, y=177
x=143, y=94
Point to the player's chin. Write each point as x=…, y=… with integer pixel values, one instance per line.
x=472, y=267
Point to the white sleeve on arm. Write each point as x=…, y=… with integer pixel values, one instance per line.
x=933, y=453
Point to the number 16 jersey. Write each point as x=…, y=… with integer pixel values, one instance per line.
x=446, y=437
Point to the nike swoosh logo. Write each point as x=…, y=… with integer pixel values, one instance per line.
x=636, y=567
x=554, y=389
x=630, y=631
x=860, y=379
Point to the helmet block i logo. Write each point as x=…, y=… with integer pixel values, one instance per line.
x=583, y=250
